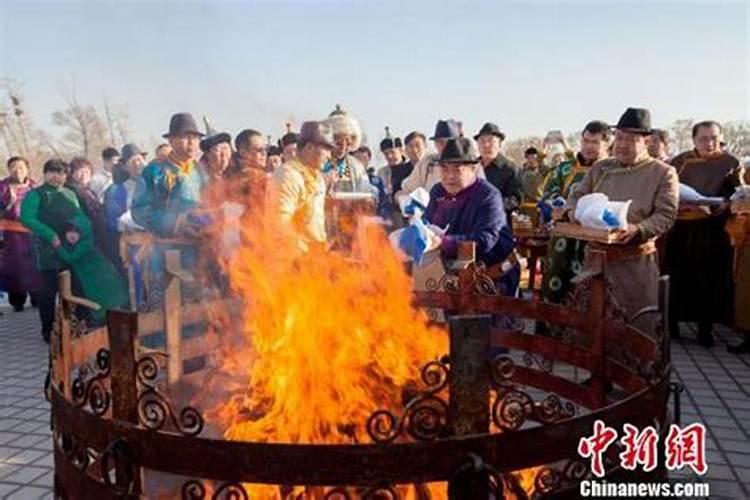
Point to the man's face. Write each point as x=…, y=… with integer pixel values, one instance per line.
x=108, y=164
x=135, y=165
x=455, y=178
x=273, y=162
x=489, y=146
x=656, y=147
x=707, y=140
x=254, y=153
x=629, y=146
x=343, y=143
x=289, y=152
x=392, y=156
x=162, y=153
x=54, y=178
x=316, y=155
x=82, y=175
x=532, y=161
x=19, y=170
x=593, y=146
x=416, y=149
x=185, y=146
x=218, y=157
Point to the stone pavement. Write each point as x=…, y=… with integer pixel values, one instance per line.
x=717, y=394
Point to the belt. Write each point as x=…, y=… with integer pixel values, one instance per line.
x=624, y=252
x=496, y=271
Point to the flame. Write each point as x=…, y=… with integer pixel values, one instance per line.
x=326, y=341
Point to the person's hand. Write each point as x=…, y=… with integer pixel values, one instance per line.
x=626, y=235
x=56, y=242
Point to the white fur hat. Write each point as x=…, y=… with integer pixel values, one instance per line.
x=341, y=122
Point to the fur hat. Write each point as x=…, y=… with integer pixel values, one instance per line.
x=342, y=122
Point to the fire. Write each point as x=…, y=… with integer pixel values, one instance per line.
x=331, y=339
x=326, y=341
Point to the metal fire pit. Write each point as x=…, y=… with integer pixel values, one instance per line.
x=474, y=422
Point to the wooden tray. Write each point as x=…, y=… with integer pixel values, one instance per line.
x=578, y=232
x=741, y=207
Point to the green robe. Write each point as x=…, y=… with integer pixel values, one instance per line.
x=98, y=278
x=45, y=210
x=564, y=255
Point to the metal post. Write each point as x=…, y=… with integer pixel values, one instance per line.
x=469, y=382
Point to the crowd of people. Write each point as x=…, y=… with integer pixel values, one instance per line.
x=74, y=217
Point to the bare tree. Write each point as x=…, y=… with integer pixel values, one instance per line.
x=737, y=138
x=682, y=134
x=84, y=132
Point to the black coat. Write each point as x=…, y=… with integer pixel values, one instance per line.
x=505, y=176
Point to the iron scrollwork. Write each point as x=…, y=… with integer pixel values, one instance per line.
x=196, y=490
x=154, y=408
x=512, y=407
x=89, y=389
x=425, y=415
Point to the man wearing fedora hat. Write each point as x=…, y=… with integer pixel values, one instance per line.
x=166, y=199
x=699, y=256
x=424, y=173
x=295, y=195
x=168, y=190
x=498, y=169
x=472, y=210
x=652, y=187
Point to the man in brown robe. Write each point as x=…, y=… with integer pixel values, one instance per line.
x=698, y=252
x=653, y=188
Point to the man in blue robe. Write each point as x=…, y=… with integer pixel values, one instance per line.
x=472, y=210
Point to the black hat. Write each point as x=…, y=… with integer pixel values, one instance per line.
x=212, y=140
x=491, y=129
x=531, y=151
x=129, y=151
x=445, y=129
x=182, y=123
x=636, y=120
x=459, y=150
x=319, y=133
x=274, y=151
x=289, y=138
x=390, y=142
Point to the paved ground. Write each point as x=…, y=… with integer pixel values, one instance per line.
x=717, y=393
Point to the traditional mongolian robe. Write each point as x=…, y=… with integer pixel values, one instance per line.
x=698, y=253
x=347, y=175
x=295, y=201
x=45, y=210
x=504, y=175
x=653, y=188
x=165, y=197
x=475, y=214
x=17, y=272
x=564, y=255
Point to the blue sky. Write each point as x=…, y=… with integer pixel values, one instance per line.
x=529, y=66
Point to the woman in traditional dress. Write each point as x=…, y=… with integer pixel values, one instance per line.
x=18, y=276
